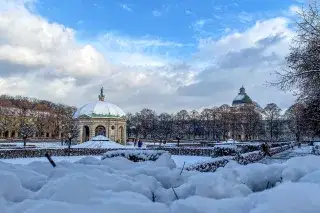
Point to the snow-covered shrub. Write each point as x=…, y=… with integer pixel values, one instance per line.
x=243, y=159
x=249, y=148
x=135, y=155
x=250, y=157
x=315, y=150
x=209, y=165
x=279, y=149
x=220, y=151
x=37, y=152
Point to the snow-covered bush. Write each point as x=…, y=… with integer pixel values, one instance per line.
x=224, y=151
x=209, y=165
x=250, y=157
x=37, y=152
x=249, y=148
x=218, y=150
x=315, y=150
x=243, y=159
x=135, y=155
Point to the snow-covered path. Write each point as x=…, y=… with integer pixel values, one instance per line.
x=284, y=156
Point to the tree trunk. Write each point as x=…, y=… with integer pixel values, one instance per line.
x=69, y=146
x=24, y=141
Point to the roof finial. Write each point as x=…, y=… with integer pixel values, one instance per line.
x=101, y=96
x=242, y=90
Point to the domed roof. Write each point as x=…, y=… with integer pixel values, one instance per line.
x=99, y=109
x=242, y=98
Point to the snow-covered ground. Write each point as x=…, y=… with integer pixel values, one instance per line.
x=121, y=186
x=99, y=141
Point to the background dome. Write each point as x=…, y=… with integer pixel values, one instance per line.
x=242, y=98
x=99, y=109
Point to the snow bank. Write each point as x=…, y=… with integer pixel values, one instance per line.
x=122, y=186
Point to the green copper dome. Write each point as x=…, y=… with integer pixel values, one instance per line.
x=242, y=98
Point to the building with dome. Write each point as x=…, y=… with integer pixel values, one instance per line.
x=242, y=98
x=240, y=104
x=101, y=118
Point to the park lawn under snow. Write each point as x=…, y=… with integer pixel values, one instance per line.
x=121, y=186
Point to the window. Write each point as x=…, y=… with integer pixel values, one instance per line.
x=112, y=127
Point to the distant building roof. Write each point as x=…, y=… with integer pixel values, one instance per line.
x=242, y=98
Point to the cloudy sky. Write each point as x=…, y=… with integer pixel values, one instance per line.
x=166, y=54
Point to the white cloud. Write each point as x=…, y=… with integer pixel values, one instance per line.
x=156, y=13
x=48, y=62
x=126, y=7
x=44, y=44
x=189, y=12
x=159, y=12
x=245, y=17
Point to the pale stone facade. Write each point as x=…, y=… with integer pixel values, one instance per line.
x=114, y=128
x=101, y=118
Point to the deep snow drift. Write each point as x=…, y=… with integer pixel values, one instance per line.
x=117, y=185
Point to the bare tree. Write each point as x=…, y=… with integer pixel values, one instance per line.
x=6, y=119
x=251, y=121
x=206, y=121
x=27, y=130
x=295, y=119
x=224, y=121
x=70, y=131
x=194, y=123
x=41, y=123
x=302, y=74
x=272, y=117
x=146, y=119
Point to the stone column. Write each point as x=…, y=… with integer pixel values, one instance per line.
x=124, y=134
x=108, y=129
x=80, y=137
x=92, y=130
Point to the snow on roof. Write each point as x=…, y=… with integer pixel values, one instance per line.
x=239, y=97
x=99, y=109
x=95, y=143
x=100, y=138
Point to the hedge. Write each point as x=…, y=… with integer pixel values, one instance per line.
x=29, y=153
x=135, y=155
x=217, y=151
x=315, y=150
x=243, y=159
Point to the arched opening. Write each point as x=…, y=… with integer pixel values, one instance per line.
x=13, y=134
x=85, y=134
x=100, y=130
x=6, y=134
x=121, y=134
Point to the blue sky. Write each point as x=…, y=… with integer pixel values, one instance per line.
x=165, y=55
x=173, y=20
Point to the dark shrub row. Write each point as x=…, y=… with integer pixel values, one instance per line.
x=217, y=151
x=209, y=165
x=315, y=150
x=135, y=155
x=30, y=153
x=251, y=157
